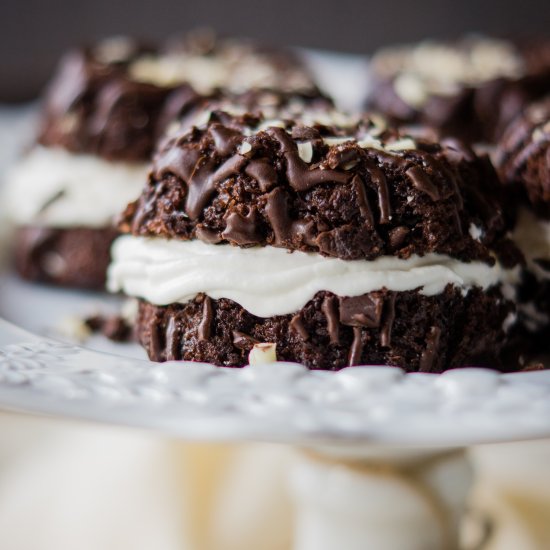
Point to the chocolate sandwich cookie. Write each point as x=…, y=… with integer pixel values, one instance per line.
x=469, y=89
x=102, y=116
x=342, y=244
x=523, y=160
x=73, y=258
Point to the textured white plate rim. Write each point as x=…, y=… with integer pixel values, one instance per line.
x=282, y=402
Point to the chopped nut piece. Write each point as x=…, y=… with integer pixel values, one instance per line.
x=262, y=354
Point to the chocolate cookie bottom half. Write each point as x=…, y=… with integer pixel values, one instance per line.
x=406, y=329
x=73, y=257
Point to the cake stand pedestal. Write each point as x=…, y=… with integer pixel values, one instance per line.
x=383, y=467
x=398, y=501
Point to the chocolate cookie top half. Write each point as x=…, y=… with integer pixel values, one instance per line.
x=352, y=191
x=471, y=88
x=110, y=99
x=523, y=155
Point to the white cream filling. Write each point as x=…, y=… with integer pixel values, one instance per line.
x=269, y=281
x=53, y=187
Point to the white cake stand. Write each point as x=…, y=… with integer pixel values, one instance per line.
x=381, y=463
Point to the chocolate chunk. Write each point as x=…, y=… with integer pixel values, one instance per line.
x=297, y=325
x=243, y=341
x=422, y=182
x=362, y=311
x=398, y=236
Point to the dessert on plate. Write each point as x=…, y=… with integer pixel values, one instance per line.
x=523, y=160
x=101, y=117
x=471, y=88
x=335, y=243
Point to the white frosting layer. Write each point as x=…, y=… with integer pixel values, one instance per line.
x=271, y=281
x=54, y=187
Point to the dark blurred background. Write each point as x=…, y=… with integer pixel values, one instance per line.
x=33, y=33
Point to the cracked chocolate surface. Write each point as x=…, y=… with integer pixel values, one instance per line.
x=228, y=182
x=406, y=329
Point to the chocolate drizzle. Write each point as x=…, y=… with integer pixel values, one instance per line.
x=430, y=350
x=204, y=179
x=205, y=326
x=262, y=171
x=172, y=341
x=363, y=201
x=242, y=230
x=388, y=318
x=155, y=344
x=379, y=179
x=300, y=175
x=276, y=210
x=226, y=139
x=175, y=160
x=356, y=349
x=330, y=310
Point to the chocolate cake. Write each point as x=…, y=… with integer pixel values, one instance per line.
x=470, y=89
x=102, y=115
x=341, y=244
x=523, y=160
